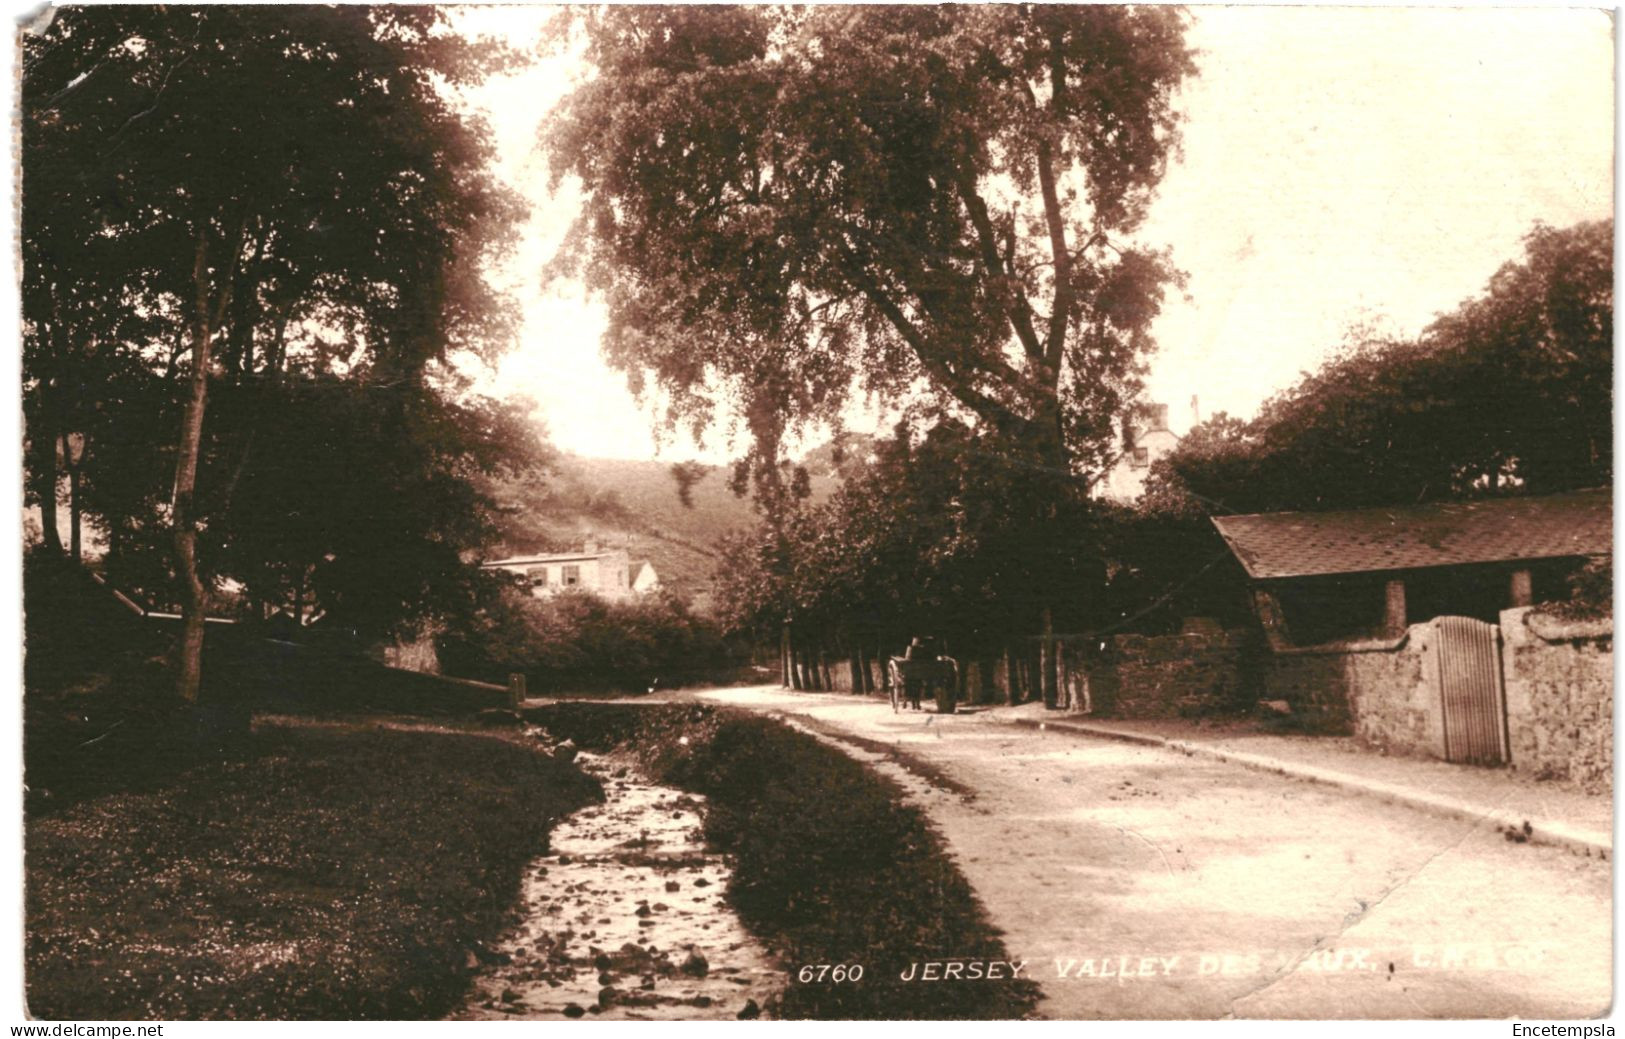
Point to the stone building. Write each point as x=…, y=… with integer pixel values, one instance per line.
x=1415, y=630
x=1330, y=577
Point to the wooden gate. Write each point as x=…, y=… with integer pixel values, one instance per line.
x=1472, y=698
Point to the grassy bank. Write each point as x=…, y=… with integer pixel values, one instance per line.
x=831, y=867
x=323, y=872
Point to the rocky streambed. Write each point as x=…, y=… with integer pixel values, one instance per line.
x=625, y=919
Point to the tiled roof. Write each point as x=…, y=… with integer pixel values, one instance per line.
x=1303, y=544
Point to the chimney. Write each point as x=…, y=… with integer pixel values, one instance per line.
x=590, y=547
x=1196, y=411
x=1159, y=416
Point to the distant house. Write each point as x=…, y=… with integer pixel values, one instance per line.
x=1323, y=577
x=1148, y=438
x=608, y=573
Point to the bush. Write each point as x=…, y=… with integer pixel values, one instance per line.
x=577, y=642
x=1591, y=593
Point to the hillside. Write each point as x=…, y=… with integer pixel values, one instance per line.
x=632, y=504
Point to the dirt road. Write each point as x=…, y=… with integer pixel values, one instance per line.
x=1138, y=883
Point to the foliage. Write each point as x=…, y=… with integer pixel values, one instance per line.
x=1510, y=391
x=183, y=241
x=361, y=497
x=783, y=204
x=954, y=536
x=1591, y=593
x=631, y=503
x=331, y=874
x=575, y=641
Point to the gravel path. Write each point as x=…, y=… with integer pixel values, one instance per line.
x=1140, y=883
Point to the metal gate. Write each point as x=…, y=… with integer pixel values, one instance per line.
x=1472, y=698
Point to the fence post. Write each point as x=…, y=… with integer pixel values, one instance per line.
x=516, y=689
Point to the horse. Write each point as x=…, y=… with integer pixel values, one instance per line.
x=911, y=676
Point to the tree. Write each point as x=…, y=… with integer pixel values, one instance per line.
x=934, y=535
x=360, y=498
x=339, y=229
x=785, y=204
x=1510, y=392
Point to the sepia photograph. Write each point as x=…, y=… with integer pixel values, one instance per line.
x=965, y=512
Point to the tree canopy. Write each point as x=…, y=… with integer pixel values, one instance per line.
x=1511, y=392
x=281, y=209
x=787, y=205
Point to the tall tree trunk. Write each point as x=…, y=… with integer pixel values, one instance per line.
x=1047, y=663
x=75, y=541
x=786, y=666
x=45, y=448
x=190, y=678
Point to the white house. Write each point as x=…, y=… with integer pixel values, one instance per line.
x=1149, y=438
x=609, y=573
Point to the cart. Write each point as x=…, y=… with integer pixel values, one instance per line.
x=939, y=677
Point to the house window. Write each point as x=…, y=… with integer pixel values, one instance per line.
x=572, y=576
x=537, y=575
x=1142, y=457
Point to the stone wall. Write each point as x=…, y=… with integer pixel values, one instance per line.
x=1377, y=692
x=1162, y=676
x=1560, y=698
x=1559, y=682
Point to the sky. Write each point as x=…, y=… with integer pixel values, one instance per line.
x=1338, y=166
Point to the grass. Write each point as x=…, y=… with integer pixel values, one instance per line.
x=894, y=754
x=830, y=867
x=333, y=872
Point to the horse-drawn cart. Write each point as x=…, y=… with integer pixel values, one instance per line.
x=911, y=679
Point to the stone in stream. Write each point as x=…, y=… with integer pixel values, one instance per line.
x=750, y=1011
x=696, y=965
x=702, y=882
x=606, y=995
x=672, y=885
x=643, y=909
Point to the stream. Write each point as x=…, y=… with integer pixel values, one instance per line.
x=625, y=919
